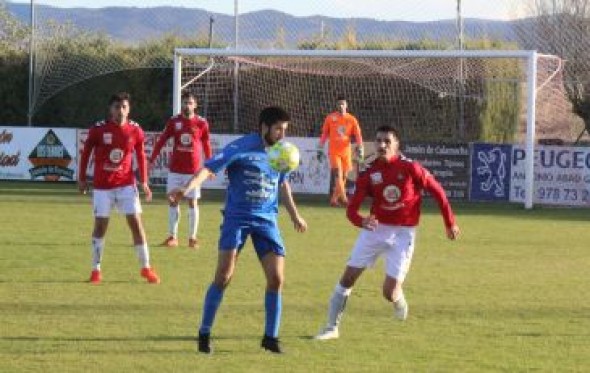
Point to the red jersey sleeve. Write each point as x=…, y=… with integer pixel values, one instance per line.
x=205, y=140
x=89, y=145
x=166, y=134
x=433, y=187
x=140, y=154
x=360, y=192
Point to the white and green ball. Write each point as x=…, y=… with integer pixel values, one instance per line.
x=283, y=156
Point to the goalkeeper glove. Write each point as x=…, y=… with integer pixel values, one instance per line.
x=360, y=154
x=320, y=151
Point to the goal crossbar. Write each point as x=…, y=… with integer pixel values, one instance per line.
x=357, y=53
x=530, y=56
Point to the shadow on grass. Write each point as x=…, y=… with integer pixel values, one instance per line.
x=166, y=338
x=159, y=338
x=42, y=244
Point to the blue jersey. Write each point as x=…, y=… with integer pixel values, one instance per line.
x=253, y=189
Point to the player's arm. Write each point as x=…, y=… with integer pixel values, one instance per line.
x=298, y=222
x=205, y=139
x=142, y=165
x=325, y=133
x=212, y=166
x=356, y=132
x=352, y=211
x=178, y=194
x=433, y=187
x=164, y=136
x=89, y=145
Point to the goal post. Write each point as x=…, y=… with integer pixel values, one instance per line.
x=302, y=71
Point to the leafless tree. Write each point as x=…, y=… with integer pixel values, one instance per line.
x=562, y=27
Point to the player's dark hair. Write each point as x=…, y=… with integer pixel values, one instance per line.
x=187, y=95
x=272, y=115
x=389, y=129
x=120, y=97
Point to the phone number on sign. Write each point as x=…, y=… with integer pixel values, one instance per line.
x=562, y=195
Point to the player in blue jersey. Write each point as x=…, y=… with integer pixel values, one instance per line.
x=251, y=209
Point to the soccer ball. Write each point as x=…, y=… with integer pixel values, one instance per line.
x=283, y=156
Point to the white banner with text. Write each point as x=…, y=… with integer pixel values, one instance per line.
x=39, y=154
x=562, y=175
x=312, y=176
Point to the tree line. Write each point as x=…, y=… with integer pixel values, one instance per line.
x=84, y=102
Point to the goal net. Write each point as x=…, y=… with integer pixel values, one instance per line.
x=429, y=95
x=442, y=96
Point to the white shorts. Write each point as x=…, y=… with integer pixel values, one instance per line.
x=178, y=181
x=126, y=199
x=394, y=242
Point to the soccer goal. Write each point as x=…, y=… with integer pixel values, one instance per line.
x=429, y=95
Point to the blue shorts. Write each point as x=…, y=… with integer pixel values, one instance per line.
x=265, y=234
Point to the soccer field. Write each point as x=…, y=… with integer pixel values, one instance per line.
x=512, y=294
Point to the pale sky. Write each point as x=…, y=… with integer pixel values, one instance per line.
x=406, y=10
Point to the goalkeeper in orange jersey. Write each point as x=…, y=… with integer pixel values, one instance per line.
x=340, y=127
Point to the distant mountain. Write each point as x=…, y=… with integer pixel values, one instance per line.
x=262, y=28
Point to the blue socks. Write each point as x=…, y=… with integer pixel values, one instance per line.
x=213, y=299
x=273, y=305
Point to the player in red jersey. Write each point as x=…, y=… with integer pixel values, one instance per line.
x=190, y=133
x=114, y=141
x=395, y=185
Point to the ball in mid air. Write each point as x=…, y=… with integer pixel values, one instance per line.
x=283, y=156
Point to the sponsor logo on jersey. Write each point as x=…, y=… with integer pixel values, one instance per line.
x=116, y=155
x=186, y=139
x=107, y=138
x=391, y=193
x=341, y=130
x=178, y=125
x=50, y=159
x=376, y=178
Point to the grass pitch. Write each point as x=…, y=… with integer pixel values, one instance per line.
x=512, y=294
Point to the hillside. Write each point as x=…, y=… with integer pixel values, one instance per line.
x=261, y=28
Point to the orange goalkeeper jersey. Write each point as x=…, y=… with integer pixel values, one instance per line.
x=339, y=130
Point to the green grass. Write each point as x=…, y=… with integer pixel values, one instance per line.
x=513, y=294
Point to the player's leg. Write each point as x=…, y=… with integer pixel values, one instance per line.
x=226, y=263
x=232, y=238
x=338, y=302
x=393, y=292
x=173, y=211
x=193, y=217
x=273, y=266
x=270, y=249
x=364, y=254
x=398, y=259
x=346, y=162
x=336, y=174
x=128, y=203
x=98, y=233
x=141, y=248
x=102, y=201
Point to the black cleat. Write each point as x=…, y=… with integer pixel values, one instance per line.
x=271, y=344
x=204, y=343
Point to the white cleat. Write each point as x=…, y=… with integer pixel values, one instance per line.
x=400, y=309
x=330, y=332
